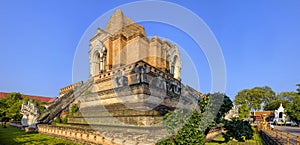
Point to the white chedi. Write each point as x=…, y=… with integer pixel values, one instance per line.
x=279, y=114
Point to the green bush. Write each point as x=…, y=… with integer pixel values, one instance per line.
x=184, y=126
x=65, y=119
x=191, y=127
x=26, y=99
x=239, y=130
x=57, y=120
x=10, y=106
x=74, y=109
x=165, y=142
x=41, y=108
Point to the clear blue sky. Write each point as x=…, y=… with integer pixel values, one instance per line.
x=259, y=40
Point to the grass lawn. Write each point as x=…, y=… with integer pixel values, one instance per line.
x=15, y=136
x=220, y=141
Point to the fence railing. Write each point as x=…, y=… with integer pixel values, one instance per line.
x=279, y=137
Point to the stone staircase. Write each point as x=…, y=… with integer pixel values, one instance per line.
x=58, y=106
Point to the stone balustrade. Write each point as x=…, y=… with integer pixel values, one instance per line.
x=73, y=134
x=89, y=136
x=64, y=102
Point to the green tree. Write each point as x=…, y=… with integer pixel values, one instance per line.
x=267, y=93
x=184, y=126
x=225, y=107
x=26, y=99
x=298, y=89
x=287, y=96
x=273, y=105
x=244, y=111
x=11, y=106
x=217, y=106
x=239, y=130
x=252, y=99
x=293, y=109
x=191, y=127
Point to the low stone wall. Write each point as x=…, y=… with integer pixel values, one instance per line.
x=112, y=136
x=213, y=133
x=86, y=136
x=15, y=124
x=73, y=134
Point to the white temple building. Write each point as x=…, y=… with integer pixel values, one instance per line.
x=279, y=114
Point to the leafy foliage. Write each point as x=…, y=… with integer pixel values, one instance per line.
x=298, y=89
x=289, y=100
x=41, y=108
x=65, y=120
x=287, y=96
x=203, y=102
x=293, y=109
x=167, y=141
x=244, y=111
x=225, y=107
x=57, y=120
x=4, y=119
x=252, y=99
x=74, y=109
x=273, y=105
x=191, y=127
x=218, y=105
x=26, y=99
x=185, y=127
x=10, y=107
x=239, y=130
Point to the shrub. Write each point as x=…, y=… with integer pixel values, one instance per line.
x=239, y=130
x=57, y=120
x=41, y=108
x=189, y=133
x=65, y=119
x=74, y=109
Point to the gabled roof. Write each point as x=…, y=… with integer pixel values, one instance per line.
x=39, y=98
x=260, y=113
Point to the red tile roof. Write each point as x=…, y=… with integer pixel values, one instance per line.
x=258, y=118
x=39, y=98
x=259, y=113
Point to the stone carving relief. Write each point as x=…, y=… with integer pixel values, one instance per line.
x=174, y=87
x=141, y=76
x=161, y=83
x=30, y=113
x=120, y=79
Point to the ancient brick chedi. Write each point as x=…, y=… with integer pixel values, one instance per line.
x=134, y=80
x=124, y=42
